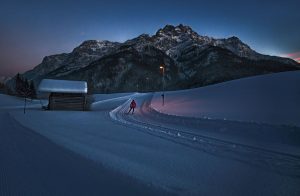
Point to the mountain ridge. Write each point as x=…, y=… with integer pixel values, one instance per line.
x=185, y=54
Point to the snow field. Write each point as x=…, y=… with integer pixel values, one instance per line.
x=175, y=153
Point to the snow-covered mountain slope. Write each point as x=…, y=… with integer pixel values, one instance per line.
x=128, y=70
x=83, y=55
x=272, y=98
x=191, y=60
x=63, y=64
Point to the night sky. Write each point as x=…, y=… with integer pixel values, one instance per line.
x=31, y=29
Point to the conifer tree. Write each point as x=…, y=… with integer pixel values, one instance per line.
x=32, y=90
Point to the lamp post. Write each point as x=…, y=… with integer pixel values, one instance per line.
x=147, y=84
x=163, y=83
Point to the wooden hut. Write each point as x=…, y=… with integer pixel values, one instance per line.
x=64, y=94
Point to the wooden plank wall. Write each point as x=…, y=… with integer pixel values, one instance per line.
x=65, y=101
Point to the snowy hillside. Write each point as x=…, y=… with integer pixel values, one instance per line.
x=151, y=153
x=273, y=98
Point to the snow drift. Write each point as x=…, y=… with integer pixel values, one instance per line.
x=273, y=98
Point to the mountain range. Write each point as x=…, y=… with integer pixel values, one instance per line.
x=189, y=60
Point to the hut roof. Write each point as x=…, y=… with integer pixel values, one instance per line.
x=62, y=86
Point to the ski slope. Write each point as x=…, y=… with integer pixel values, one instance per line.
x=182, y=155
x=272, y=98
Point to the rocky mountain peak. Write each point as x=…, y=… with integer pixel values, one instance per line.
x=139, y=39
x=53, y=58
x=171, y=37
x=234, y=38
x=144, y=36
x=166, y=29
x=91, y=46
x=185, y=29
x=170, y=30
x=235, y=45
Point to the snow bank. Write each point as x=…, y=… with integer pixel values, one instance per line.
x=62, y=86
x=11, y=102
x=272, y=98
x=101, y=97
x=108, y=101
x=7, y=101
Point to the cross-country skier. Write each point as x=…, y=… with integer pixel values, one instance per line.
x=132, y=106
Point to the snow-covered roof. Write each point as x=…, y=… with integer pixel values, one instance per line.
x=62, y=86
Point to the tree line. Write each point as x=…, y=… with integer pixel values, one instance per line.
x=2, y=86
x=24, y=88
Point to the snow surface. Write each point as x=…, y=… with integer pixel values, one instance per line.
x=62, y=86
x=185, y=156
x=31, y=164
x=272, y=98
x=104, y=101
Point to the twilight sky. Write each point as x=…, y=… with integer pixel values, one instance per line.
x=32, y=29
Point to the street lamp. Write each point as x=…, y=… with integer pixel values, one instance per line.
x=163, y=83
x=147, y=84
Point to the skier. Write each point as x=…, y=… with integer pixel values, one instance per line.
x=132, y=106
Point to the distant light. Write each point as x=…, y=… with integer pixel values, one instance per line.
x=293, y=55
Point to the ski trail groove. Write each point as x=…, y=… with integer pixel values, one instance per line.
x=279, y=162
